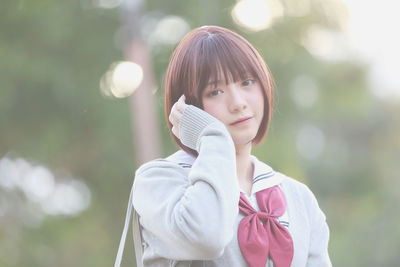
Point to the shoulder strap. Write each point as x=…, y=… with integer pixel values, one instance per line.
x=137, y=237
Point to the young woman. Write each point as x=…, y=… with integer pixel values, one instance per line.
x=212, y=203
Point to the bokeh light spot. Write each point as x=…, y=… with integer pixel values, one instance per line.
x=121, y=80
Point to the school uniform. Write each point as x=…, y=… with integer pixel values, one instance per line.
x=188, y=206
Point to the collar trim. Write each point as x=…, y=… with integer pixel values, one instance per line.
x=264, y=176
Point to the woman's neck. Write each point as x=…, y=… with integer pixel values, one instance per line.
x=244, y=168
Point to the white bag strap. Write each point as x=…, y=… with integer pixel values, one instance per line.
x=137, y=239
x=137, y=236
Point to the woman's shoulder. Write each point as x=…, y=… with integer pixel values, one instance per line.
x=298, y=192
x=290, y=185
x=295, y=185
x=180, y=159
x=168, y=172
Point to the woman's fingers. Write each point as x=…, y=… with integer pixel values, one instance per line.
x=176, y=114
x=175, y=131
x=181, y=105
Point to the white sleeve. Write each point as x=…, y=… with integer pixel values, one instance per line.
x=318, y=250
x=193, y=215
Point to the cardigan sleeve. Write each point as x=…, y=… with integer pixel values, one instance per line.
x=319, y=236
x=191, y=215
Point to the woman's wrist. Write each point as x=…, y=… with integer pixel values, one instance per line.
x=192, y=123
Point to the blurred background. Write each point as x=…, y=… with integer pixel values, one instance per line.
x=81, y=105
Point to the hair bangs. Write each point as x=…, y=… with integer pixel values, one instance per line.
x=224, y=60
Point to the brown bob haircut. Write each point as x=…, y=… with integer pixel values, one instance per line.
x=205, y=54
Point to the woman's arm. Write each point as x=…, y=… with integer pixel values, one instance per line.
x=192, y=215
x=318, y=250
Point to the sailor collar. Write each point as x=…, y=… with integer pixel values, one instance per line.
x=264, y=176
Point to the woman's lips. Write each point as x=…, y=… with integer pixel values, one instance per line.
x=241, y=121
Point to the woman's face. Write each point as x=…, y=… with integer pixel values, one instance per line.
x=239, y=105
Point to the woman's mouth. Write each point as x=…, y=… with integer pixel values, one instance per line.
x=241, y=121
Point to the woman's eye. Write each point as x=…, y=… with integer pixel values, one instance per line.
x=215, y=92
x=248, y=82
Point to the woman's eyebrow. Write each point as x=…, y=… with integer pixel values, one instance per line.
x=214, y=83
x=246, y=74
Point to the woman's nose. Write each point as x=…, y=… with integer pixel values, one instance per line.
x=237, y=101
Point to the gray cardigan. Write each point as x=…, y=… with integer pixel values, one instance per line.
x=188, y=206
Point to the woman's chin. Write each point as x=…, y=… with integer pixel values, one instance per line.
x=243, y=141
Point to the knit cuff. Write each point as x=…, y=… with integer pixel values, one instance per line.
x=192, y=123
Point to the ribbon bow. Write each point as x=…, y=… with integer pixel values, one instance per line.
x=260, y=234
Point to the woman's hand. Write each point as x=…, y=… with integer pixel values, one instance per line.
x=176, y=114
